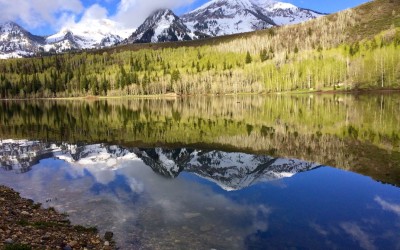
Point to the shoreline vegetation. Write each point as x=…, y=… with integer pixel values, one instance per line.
x=174, y=95
x=350, y=50
x=25, y=225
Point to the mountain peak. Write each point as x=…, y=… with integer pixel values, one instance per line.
x=10, y=26
x=161, y=26
x=163, y=12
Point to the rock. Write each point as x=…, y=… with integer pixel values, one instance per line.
x=25, y=213
x=106, y=243
x=46, y=237
x=206, y=228
x=73, y=243
x=67, y=247
x=191, y=215
x=9, y=241
x=108, y=236
x=95, y=241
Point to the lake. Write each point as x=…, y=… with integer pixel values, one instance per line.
x=236, y=172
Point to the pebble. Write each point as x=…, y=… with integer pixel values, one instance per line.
x=191, y=215
x=25, y=213
x=73, y=243
x=108, y=235
x=9, y=241
x=106, y=243
x=206, y=228
x=46, y=236
x=67, y=247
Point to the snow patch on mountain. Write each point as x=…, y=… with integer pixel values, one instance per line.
x=223, y=17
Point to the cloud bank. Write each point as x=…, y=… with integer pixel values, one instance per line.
x=36, y=13
x=132, y=13
x=59, y=13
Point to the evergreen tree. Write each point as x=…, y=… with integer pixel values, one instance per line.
x=248, y=58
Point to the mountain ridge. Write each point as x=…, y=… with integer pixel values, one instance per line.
x=225, y=17
x=163, y=25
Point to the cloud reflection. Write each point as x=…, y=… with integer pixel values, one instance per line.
x=392, y=207
x=143, y=211
x=359, y=235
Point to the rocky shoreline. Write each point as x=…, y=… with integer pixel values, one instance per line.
x=25, y=225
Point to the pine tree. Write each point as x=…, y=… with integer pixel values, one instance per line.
x=248, y=58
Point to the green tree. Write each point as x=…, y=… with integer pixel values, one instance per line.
x=175, y=76
x=248, y=58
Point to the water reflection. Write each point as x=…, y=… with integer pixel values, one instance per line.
x=358, y=133
x=157, y=198
x=213, y=173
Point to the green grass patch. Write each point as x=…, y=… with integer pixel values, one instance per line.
x=17, y=247
x=82, y=229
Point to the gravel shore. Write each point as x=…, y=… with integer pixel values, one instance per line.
x=25, y=225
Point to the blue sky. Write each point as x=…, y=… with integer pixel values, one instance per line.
x=44, y=17
x=318, y=5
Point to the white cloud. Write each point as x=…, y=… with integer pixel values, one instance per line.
x=60, y=13
x=95, y=12
x=132, y=13
x=37, y=13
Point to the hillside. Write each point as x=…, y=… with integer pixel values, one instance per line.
x=353, y=49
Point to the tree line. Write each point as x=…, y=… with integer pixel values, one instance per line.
x=323, y=54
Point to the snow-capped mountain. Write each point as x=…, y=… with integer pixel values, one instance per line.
x=161, y=26
x=215, y=18
x=16, y=41
x=223, y=17
x=229, y=170
x=87, y=34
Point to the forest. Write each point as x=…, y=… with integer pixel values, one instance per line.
x=353, y=49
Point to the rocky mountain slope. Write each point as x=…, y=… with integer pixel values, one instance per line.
x=16, y=41
x=163, y=25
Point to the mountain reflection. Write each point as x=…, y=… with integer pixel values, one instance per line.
x=229, y=170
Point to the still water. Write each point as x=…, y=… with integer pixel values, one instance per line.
x=247, y=172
